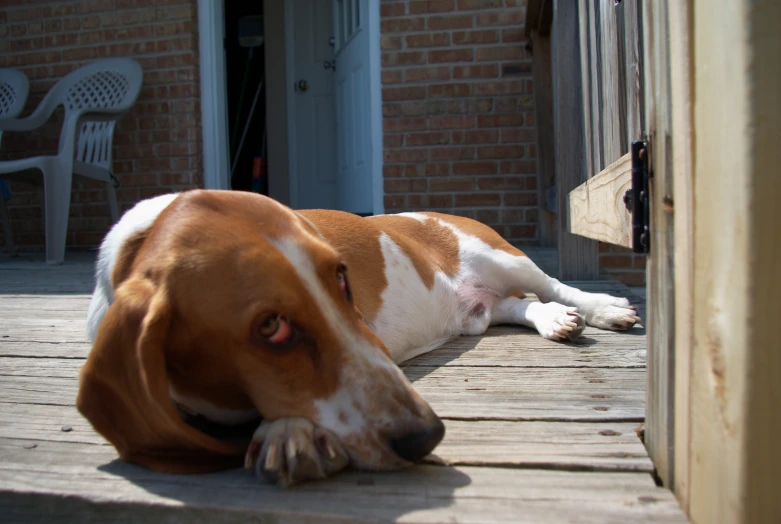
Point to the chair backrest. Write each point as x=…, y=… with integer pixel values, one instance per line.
x=111, y=83
x=14, y=88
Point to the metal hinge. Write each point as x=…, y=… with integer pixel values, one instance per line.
x=637, y=199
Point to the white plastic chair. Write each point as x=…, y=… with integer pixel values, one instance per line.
x=94, y=97
x=14, y=88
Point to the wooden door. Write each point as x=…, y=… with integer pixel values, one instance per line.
x=353, y=103
x=312, y=115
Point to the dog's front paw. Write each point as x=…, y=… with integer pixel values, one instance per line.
x=292, y=450
x=556, y=321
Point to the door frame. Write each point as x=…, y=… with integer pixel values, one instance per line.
x=375, y=106
x=214, y=86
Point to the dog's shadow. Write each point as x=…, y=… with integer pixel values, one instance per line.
x=236, y=495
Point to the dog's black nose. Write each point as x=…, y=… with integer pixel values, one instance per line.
x=419, y=443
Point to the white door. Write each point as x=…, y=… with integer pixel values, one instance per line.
x=353, y=106
x=313, y=146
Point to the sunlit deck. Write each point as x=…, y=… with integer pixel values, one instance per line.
x=537, y=431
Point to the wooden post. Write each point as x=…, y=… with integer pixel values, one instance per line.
x=660, y=421
x=735, y=388
x=578, y=256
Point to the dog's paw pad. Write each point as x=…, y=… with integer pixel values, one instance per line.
x=292, y=450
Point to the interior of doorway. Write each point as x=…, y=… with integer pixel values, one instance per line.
x=245, y=70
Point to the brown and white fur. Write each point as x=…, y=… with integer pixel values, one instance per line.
x=185, y=282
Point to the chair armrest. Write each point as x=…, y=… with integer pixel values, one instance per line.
x=100, y=114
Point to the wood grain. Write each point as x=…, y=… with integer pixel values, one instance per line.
x=735, y=392
x=578, y=256
x=597, y=209
x=660, y=426
x=85, y=480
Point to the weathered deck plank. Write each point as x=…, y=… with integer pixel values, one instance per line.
x=420, y=494
x=537, y=431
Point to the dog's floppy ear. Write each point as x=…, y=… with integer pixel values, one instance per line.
x=124, y=392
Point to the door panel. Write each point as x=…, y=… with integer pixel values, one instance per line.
x=313, y=180
x=353, y=114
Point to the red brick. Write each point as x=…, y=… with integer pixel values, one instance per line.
x=427, y=139
x=392, y=76
x=516, y=135
x=450, y=55
x=500, y=152
x=615, y=262
x=475, y=168
x=518, y=166
x=500, y=18
x=475, y=137
x=406, y=185
x=392, y=171
x=390, y=42
x=470, y=5
x=392, y=9
x=431, y=6
x=438, y=23
x=403, y=124
x=402, y=25
x=403, y=58
x=519, y=199
x=403, y=93
x=393, y=140
x=499, y=120
x=437, y=169
x=449, y=90
x=452, y=153
x=513, y=34
x=476, y=37
x=498, y=88
x=499, y=183
x=427, y=40
x=478, y=199
x=413, y=108
x=426, y=74
x=507, y=52
x=451, y=184
x=476, y=71
x=452, y=122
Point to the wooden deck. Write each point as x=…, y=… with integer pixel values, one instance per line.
x=537, y=431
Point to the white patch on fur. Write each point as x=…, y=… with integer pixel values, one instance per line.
x=413, y=319
x=138, y=218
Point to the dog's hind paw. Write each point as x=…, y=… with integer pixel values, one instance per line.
x=292, y=450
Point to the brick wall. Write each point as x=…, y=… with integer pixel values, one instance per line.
x=458, y=112
x=157, y=146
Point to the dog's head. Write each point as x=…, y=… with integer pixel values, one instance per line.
x=233, y=305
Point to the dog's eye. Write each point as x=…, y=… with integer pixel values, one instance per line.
x=274, y=330
x=341, y=280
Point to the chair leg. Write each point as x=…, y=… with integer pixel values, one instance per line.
x=112, y=202
x=9, y=237
x=57, y=203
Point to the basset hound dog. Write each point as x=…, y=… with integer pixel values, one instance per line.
x=229, y=329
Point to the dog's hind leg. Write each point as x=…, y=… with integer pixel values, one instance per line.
x=512, y=272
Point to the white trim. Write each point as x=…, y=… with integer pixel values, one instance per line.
x=292, y=167
x=214, y=114
x=375, y=106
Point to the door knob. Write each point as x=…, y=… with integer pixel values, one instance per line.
x=303, y=85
